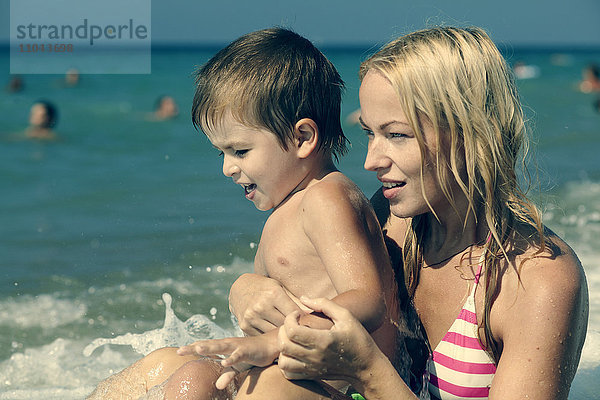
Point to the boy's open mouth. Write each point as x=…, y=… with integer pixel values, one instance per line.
x=249, y=188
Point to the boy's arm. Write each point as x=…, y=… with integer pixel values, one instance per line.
x=259, y=303
x=346, y=235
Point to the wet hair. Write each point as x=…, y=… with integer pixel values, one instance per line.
x=594, y=69
x=457, y=80
x=159, y=100
x=270, y=79
x=51, y=113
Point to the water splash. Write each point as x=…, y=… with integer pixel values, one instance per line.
x=173, y=333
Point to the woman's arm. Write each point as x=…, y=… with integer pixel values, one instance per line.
x=346, y=351
x=541, y=320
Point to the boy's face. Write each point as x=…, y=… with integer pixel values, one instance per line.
x=254, y=159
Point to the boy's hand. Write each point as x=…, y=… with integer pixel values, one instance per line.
x=259, y=303
x=242, y=352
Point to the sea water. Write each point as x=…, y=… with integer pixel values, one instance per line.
x=124, y=236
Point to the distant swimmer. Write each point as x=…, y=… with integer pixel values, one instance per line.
x=525, y=71
x=591, y=79
x=165, y=108
x=42, y=119
x=71, y=77
x=15, y=84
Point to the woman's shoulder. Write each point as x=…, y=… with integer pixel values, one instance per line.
x=539, y=281
x=554, y=264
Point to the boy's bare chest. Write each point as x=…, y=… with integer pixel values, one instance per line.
x=287, y=255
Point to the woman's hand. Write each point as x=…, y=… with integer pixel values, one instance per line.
x=345, y=351
x=259, y=303
x=242, y=352
x=342, y=352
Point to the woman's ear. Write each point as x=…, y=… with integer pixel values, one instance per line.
x=306, y=137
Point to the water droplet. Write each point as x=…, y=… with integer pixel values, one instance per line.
x=213, y=311
x=208, y=269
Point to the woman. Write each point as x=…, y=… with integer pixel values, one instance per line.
x=503, y=301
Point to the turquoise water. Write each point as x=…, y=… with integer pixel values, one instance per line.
x=96, y=227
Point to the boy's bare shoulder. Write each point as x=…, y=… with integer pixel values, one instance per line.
x=334, y=190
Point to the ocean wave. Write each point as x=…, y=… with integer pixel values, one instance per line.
x=44, y=311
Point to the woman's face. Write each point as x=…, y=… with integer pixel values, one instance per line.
x=394, y=153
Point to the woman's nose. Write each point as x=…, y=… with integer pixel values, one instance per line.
x=376, y=157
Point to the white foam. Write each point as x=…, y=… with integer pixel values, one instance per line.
x=43, y=311
x=590, y=355
x=53, y=371
x=65, y=370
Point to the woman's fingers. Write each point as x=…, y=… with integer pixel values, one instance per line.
x=332, y=310
x=300, y=341
x=307, y=353
x=289, y=347
x=292, y=368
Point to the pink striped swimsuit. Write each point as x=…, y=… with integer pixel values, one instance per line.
x=459, y=368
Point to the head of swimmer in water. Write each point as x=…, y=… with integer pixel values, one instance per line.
x=269, y=80
x=43, y=115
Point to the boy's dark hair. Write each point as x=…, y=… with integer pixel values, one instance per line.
x=270, y=79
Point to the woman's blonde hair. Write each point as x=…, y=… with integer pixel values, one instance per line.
x=457, y=80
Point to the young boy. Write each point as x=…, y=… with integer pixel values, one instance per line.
x=270, y=103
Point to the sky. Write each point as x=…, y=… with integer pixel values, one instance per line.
x=548, y=23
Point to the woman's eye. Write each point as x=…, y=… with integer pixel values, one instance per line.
x=398, y=135
x=240, y=153
x=367, y=132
